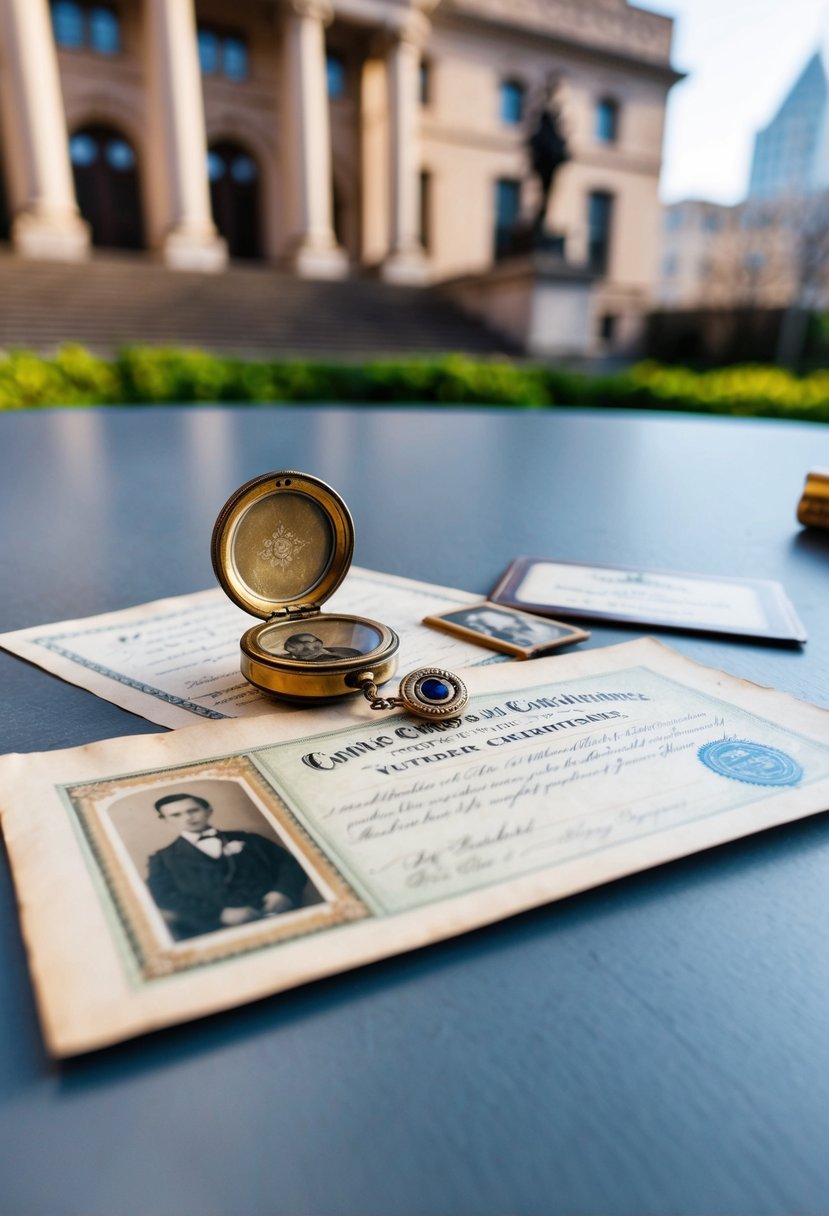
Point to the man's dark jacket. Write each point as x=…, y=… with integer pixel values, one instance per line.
x=193, y=888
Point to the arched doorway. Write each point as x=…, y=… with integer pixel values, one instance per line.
x=234, y=197
x=106, y=186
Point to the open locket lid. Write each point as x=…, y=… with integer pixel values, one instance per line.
x=282, y=544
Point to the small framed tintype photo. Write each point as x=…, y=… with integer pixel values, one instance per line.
x=205, y=862
x=519, y=634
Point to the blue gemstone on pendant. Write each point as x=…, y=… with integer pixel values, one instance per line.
x=435, y=690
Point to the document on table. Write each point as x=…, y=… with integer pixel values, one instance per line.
x=176, y=660
x=342, y=837
x=697, y=603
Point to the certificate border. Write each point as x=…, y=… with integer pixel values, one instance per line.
x=51, y=643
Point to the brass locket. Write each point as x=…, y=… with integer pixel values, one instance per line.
x=281, y=546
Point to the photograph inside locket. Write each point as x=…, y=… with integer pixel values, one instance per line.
x=321, y=641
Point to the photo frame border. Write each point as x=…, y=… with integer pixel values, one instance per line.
x=574, y=632
x=155, y=959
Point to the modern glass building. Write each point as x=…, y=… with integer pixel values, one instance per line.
x=791, y=154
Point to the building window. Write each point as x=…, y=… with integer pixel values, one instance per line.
x=244, y=171
x=215, y=167
x=669, y=266
x=238, y=165
x=235, y=58
x=607, y=121
x=119, y=155
x=104, y=31
x=507, y=210
x=93, y=27
x=599, y=221
x=209, y=52
x=673, y=219
x=68, y=24
x=512, y=102
x=711, y=222
x=425, y=82
x=83, y=150
x=223, y=54
x=335, y=73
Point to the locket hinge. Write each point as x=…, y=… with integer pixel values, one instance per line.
x=295, y=612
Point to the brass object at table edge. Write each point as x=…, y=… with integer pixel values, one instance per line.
x=813, y=508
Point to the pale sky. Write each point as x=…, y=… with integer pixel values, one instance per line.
x=741, y=56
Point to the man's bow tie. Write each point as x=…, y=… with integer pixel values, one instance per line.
x=207, y=832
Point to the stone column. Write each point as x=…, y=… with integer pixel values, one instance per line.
x=312, y=248
x=184, y=226
x=45, y=218
x=406, y=261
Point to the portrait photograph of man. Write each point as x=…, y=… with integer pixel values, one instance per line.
x=210, y=859
x=309, y=648
x=213, y=878
x=322, y=641
x=512, y=632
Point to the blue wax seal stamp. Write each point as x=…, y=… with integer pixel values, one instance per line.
x=754, y=763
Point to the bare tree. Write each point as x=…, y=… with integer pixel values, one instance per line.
x=808, y=220
x=749, y=262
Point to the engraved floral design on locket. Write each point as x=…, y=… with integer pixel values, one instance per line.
x=281, y=547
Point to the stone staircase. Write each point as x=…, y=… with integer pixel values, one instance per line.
x=255, y=311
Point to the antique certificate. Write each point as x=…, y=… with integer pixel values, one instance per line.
x=160, y=878
x=176, y=661
x=695, y=603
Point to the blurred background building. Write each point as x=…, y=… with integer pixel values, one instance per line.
x=769, y=249
x=791, y=153
x=327, y=140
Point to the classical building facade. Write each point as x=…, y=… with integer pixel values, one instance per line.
x=333, y=136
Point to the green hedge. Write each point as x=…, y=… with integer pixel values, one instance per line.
x=148, y=375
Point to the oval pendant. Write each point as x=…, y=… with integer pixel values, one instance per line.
x=431, y=692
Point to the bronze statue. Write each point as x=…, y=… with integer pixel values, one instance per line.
x=548, y=152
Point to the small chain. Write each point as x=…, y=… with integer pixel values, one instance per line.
x=369, y=691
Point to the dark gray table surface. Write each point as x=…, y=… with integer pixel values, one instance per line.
x=656, y=1046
